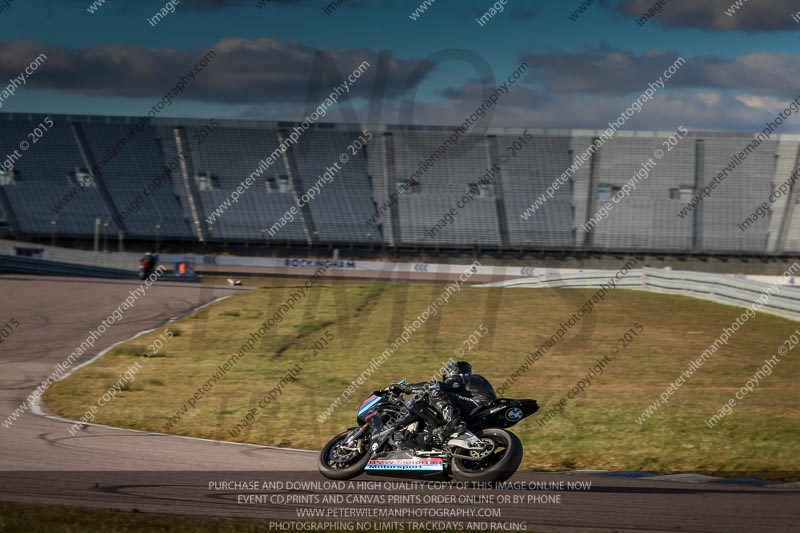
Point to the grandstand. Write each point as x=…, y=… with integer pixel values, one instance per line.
x=85, y=174
x=447, y=180
x=527, y=176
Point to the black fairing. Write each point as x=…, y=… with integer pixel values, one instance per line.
x=501, y=413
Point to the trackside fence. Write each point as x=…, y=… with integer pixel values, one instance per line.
x=720, y=288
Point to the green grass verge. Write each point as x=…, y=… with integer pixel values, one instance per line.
x=596, y=430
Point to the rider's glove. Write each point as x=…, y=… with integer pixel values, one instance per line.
x=397, y=388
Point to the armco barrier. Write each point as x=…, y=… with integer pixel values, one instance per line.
x=573, y=280
x=719, y=288
x=220, y=262
x=42, y=267
x=730, y=290
x=67, y=255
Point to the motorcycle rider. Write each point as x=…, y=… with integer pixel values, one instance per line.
x=459, y=392
x=148, y=262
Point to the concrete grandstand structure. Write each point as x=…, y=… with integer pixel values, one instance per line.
x=85, y=174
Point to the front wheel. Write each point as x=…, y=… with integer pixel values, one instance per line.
x=496, y=465
x=339, y=461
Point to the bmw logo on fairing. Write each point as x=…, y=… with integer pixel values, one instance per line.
x=514, y=414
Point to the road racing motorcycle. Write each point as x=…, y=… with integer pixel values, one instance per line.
x=397, y=434
x=147, y=265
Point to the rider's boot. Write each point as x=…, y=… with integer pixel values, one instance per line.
x=457, y=429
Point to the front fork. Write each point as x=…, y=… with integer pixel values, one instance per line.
x=357, y=435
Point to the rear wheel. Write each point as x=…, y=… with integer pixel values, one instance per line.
x=337, y=460
x=497, y=464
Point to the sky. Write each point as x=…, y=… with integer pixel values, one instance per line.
x=276, y=59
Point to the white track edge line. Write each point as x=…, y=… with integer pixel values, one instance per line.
x=37, y=409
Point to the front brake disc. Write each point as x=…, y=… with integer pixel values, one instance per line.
x=480, y=454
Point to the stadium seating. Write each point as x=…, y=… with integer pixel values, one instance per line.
x=129, y=173
x=446, y=180
x=526, y=175
x=648, y=218
x=357, y=207
x=744, y=188
x=45, y=195
x=80, y=217
x=231, y=154
x=228, y=156
x=252, y=215
x=793, y=235
x=344, y=204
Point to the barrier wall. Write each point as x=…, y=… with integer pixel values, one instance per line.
x=726, y=289
x=42, y=267
x=68, y=255
x=729, y=290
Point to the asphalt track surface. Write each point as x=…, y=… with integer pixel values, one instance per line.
x=108, y=468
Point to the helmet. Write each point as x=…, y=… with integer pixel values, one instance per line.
x=454, y=368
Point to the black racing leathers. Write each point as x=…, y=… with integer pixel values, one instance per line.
x=460, y=395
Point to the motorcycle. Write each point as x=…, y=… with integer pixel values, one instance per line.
x=397, y=435
x=147, y=265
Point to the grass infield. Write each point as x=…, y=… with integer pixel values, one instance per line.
x=596, y=430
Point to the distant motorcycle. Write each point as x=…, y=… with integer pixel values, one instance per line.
x=147, y=265
x=395, y=434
